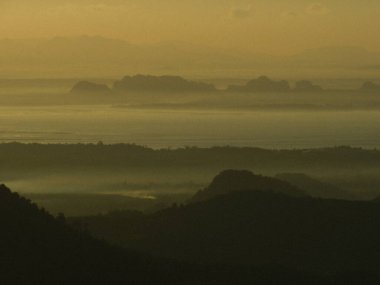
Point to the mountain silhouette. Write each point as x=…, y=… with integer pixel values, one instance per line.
x=262, y=84
x=255, y=228
x=370, y=87
x=307, y=86
x=244, y=180
x=89, y=87
x=314, y=187
x=36, y=248
x=160, y=84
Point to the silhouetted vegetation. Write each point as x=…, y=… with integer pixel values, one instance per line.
x=255, y=228
x=314, y=187
x=155, y=178
x=169, y=84
x=79, y=204
x=243, y=180
x=307, y=86
x=160, y=84
x=20, y=156
x=89, y=87
x=36, y=248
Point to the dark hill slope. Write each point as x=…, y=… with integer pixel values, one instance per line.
x=90, y=87
x=36, y=248
x=241, y=180
x=314, y=187
x=256, y=228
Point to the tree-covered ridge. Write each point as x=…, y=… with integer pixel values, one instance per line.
x=255, y=228
x=123, y=155
x=160, y=83
x=243, y=180
x=90, y=87
x=173, y=83
x=37, y=249
x=314, y=187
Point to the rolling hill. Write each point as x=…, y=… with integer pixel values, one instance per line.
x=242, y=180
x=255, y=228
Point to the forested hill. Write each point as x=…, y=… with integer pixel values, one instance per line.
x=256, y=228
x=243, y=180
x=19, y=156
x=37, y=249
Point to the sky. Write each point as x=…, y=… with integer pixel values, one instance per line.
x=275, y=27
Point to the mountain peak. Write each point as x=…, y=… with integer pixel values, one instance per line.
x=244, y=180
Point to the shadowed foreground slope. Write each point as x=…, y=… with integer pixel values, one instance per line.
x=36, y=248
x=256, y=228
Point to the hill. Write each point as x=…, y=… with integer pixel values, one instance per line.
x=370, y=87
x=262, y=84
x=242, y=180
x=36, y=248
x=160, y=84
x=89, y=87
x=255, y=228
x=314, y=187
x=307, y=86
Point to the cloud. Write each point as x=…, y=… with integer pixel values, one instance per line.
x=318, y=9
x=242, y=13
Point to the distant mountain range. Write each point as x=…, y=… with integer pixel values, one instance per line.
x=98, y=56
x=160, y=83
x=170, y=84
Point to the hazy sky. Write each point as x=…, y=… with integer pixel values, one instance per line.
x=272, y=26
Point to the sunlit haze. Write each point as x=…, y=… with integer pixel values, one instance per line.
x=274, y=27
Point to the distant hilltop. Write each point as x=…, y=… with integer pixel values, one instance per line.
x=90, y=87
x=370, y=87
x=145, y=83
x=307, y=86
x=171, y=84
x=243, y=180
x=160, y=83
x=262, y=84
